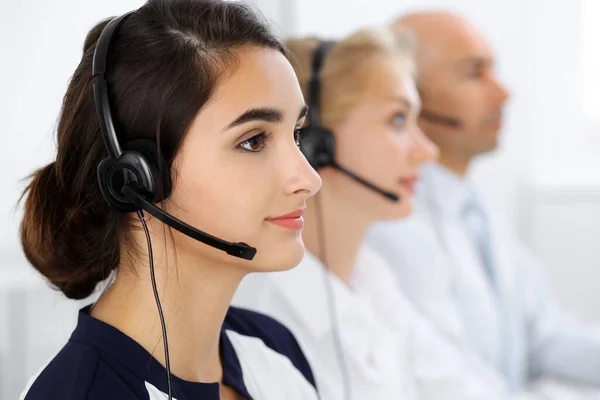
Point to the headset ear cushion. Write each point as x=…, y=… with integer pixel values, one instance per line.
x=158, y=166
x=318, y=146
x=113, y=174
x=104, y=180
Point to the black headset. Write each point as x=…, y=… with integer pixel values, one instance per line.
x=139, y=164
x=135, y=178
x=317, y=142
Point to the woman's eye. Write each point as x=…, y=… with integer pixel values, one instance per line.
x=255, y=143
x=399, y=119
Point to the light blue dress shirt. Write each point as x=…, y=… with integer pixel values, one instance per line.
x=478, y=284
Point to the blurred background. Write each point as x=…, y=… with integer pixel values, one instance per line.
x=546, y=174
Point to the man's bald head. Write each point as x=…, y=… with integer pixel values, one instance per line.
x=439, y=34
x=456, y=80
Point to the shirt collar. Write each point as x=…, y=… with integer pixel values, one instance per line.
x=303, y=288
x=142, y=364
x=367, y=334
x=443, y=189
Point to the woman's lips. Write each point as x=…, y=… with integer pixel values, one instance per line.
x=291, y=220
x=409, y=183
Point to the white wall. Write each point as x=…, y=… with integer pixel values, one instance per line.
x=563, y=226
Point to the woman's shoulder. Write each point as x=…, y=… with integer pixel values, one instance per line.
x=273, y=335
x=69, y=375
x=80, y=371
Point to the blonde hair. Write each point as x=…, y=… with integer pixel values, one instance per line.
x=346, y=66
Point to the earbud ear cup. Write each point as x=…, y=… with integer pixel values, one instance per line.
x=130, y=168
x=318, y=146
x=158, y=166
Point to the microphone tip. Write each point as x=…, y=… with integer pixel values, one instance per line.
x=392, y=196
x=242, y=250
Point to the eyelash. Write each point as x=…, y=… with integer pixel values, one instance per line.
x=297, y=136
x=263, y=139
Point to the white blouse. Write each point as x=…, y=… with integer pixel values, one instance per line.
x=390, y=351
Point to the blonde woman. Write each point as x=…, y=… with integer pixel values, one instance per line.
x=361, y=337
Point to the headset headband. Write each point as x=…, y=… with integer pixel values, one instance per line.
x=314, y=84
x=101, y=87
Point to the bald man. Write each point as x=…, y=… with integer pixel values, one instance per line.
x=455, y=257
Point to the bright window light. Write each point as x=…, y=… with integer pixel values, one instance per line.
x=590, y=52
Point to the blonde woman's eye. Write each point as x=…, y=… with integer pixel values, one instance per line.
x=399, y=119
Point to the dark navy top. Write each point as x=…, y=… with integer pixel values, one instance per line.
x=261, y=360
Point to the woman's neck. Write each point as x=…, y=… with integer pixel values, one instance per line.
x=344, y=228
x=194, y=296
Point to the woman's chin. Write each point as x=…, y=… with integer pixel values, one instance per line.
x=281, y=257
x=395, y=211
